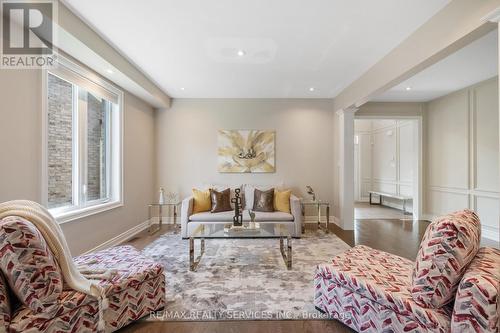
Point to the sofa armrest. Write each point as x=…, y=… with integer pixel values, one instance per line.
x=476, y=301
x=296, y=210
x=186, y=212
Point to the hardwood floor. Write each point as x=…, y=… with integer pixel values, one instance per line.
x=263, y=326
x=401, y=237
x=365, y=211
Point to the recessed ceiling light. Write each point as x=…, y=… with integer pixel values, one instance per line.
x=408, y=88
x=110, y=71
x=311, y=89
x=182, y=88
x=240, y=53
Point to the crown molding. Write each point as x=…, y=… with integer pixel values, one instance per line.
x=494, y=16
x=350, y=109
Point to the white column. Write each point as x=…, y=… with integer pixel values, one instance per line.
x=346, y=167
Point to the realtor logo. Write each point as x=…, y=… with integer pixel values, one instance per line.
x=28, y=33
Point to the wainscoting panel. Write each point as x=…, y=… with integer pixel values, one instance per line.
x=462, y=154
x=406, y=152
x=447, y=137
x=386, y=157
x=442, y=201
x=488, y=211
x=384, y=187
x=366, y=185
x=485, y=137
x=384, y=154
x=406, y=189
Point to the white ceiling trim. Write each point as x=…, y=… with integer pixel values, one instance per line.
x=474, y=63
x=290, y=49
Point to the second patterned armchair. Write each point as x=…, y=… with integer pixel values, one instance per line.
x=453, y=286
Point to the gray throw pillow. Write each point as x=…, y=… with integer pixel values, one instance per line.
x=221, y=201
x=263, y=201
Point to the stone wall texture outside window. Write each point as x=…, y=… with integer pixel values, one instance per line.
x=96, y=147
x=60, y=143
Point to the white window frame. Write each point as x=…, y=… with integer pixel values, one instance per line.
x=114, y=154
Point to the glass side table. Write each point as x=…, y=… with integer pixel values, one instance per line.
x=317, y=204
x=160, y=207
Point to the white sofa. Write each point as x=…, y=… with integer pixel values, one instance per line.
x=190, y=221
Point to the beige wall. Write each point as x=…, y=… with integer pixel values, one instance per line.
x=461, y=150
x=187, y=142
x=20, y=151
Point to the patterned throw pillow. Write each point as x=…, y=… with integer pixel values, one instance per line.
x=5, y=310
x=221, y=201
x=447, y=248
x=263, y=201
x=28, y=265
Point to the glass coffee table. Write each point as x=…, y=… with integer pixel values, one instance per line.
x=249, y=230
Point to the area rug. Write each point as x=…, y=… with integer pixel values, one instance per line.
x=242, y=278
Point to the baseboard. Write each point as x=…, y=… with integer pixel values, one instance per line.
x=123, y=237
x=314, y=219
x=166, y=220
x=307, y=219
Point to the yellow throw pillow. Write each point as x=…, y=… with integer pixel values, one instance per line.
x=202, y=201
x=282, y=200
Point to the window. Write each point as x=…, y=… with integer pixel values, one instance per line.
x=82, y=143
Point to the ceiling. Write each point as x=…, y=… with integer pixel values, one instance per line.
x=474, y=63
x=290, y=48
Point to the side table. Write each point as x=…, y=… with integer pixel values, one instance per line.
x=160, y=215
x=317, y=205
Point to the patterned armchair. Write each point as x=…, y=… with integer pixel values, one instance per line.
x=34, y=297
x=453, y=286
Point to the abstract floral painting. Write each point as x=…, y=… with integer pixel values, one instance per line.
x=246, y=151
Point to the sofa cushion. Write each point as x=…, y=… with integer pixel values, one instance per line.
x=228, y=217
x=272, y=216
x=232, y=188
x=5, y=310
x=263, y=201
x=28, y=264
x=221, y=200
x=250, y=189
x=448, y=246
x=476, y=300
x=212, y=217
x=137, y=289
x=384, y=280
